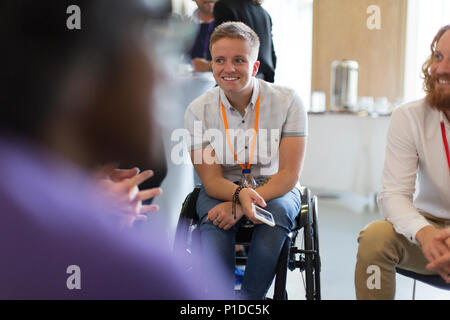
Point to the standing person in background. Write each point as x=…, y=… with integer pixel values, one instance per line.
x=204, y=17
x=256, y=17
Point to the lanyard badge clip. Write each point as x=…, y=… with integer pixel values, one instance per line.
x=247, y=179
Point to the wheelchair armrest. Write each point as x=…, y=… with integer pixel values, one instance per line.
x=188, y=210
x=304, y=217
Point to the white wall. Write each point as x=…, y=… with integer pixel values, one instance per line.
x=292, y=36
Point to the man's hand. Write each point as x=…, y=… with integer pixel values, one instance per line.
x=443, y=262
x=201, y=65
x=122, y=186
x=221, y=215
x=436, y=249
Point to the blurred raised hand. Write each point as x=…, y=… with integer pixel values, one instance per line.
x=121, y=185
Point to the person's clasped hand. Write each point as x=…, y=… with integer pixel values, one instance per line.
x=221, y=215
x=435, y=245
x=121, y=185
x=247, y=197
x=438, y=253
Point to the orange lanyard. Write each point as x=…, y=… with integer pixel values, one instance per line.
x=244, y=169
x=444, y=139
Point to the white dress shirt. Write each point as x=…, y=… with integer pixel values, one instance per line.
x=281, y=114
x=416, y=175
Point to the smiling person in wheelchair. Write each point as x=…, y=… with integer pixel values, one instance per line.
x=247, y=144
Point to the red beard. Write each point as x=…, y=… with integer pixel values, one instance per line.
x=437, y=97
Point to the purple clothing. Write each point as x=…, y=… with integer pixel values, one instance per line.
x=51, y=218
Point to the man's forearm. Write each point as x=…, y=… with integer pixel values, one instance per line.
x=277, y=185
x=423, y=233
x=220, y=188
x=400, y=211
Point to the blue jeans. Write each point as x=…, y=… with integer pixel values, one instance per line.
x=265, y=247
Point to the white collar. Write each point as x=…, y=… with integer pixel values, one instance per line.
x=444, y=119
x=253, y=99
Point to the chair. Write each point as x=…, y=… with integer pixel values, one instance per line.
x=432, y=280
x=303, y=256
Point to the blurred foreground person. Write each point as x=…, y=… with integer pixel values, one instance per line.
x=71, y=99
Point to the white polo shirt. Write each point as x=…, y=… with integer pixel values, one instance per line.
x=281, y=114
x=416, y=174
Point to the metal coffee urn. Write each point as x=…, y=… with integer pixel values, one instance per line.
x=344, y=85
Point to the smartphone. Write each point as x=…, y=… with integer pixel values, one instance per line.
x=263, y=215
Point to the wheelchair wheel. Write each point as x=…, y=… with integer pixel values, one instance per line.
x=280, y=292
x=187, y=234
x=312, y=257
x=305, y=255
x=317, y=263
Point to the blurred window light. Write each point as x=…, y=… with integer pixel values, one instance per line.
x=292, y=36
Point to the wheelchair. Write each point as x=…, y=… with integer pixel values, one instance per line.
x=300, y=249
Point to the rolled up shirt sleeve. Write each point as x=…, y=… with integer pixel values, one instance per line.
x=296, y=124
x=195, y=129
x=399, y=178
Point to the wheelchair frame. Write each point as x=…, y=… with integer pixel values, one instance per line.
x=306, y=257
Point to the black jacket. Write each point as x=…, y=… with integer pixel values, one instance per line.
x=259, y=20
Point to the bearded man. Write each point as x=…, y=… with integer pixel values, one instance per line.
x=415, y=200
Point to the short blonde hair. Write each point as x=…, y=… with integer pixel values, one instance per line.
x=235, y=30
